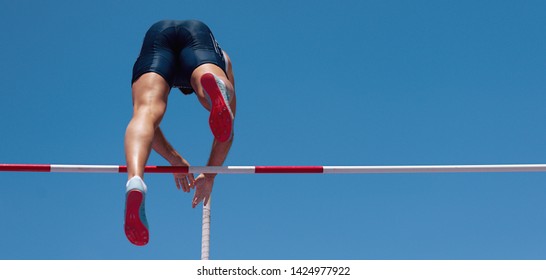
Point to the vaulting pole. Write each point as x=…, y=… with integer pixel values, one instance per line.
x=205, y=231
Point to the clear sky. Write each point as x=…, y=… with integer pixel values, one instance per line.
x=318, y=83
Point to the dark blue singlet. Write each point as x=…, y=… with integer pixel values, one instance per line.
x=174, y=48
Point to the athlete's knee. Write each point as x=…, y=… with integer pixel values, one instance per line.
x=150, y=112
x=149, y=103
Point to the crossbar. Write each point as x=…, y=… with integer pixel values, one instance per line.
x=277, y=169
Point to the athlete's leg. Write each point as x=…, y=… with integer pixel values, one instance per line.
x=150, y=93
x=198, y=87
x=216, y=93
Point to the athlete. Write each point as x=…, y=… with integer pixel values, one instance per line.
x=185, y=55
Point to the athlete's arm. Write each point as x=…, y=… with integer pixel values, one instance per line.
x=229, y=69
x=204, y=182
x=218, y=153
x=167, y=151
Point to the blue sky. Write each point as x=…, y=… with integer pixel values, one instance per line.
x=318, y=83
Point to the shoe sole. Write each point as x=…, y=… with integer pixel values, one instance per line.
x=221, y=117
x=135, y=229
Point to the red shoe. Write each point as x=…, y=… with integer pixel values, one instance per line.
x=221, y=117
x=136, y=225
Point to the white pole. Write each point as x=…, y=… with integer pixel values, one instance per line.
x=205, y=232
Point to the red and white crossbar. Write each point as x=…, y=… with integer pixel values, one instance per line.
x=277, y=169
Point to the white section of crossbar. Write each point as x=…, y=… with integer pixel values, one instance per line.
x=436, y=168
x=222, y=169
x=85, y=168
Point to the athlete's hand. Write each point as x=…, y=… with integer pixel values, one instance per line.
x=203, y=188
x=183, y=181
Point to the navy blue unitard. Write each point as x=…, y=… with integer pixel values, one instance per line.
x=174, y=48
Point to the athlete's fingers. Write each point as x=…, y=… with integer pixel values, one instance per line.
x=196, y=201
x=185, y=184
x=192, y=180
x=177, y=182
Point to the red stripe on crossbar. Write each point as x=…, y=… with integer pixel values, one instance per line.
x=289, y=169
x=26, y=167
x=159, y=169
